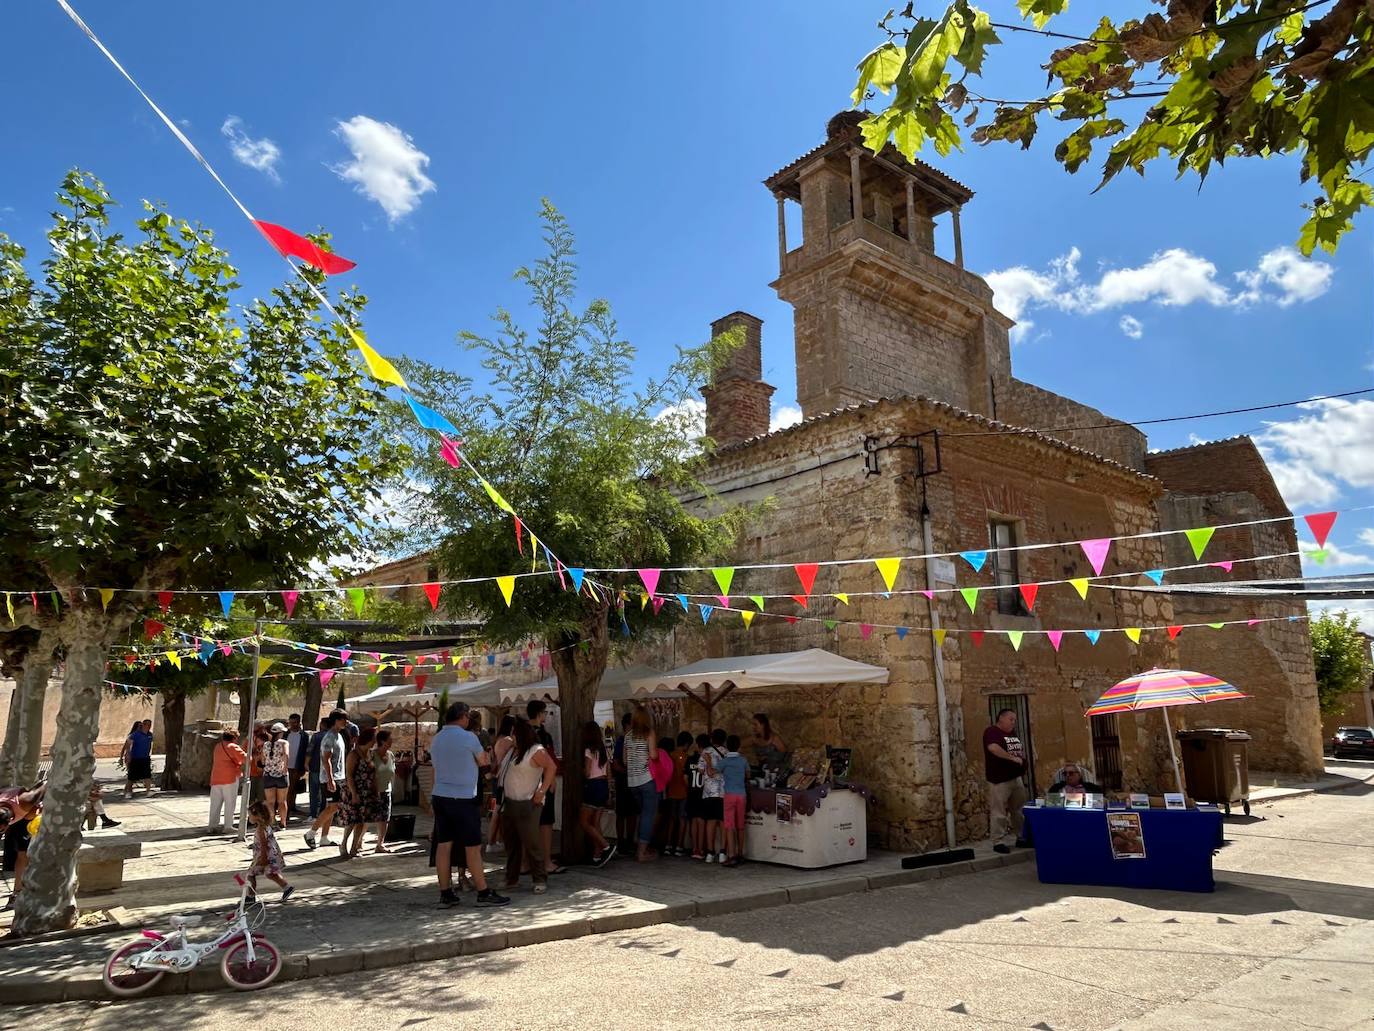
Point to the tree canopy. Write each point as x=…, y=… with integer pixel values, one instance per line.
x=1341, y=655
x=1202, y=82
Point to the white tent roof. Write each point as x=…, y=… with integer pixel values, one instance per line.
x=486, y=692
x=618, y=683
x=812, y=666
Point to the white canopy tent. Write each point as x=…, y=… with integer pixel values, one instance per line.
x=404, y=698
x=708, y=681
x=618, y=684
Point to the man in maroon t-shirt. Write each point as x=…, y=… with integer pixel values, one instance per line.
x=1004, y=761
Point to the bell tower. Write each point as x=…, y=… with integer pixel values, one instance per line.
x=878, y=313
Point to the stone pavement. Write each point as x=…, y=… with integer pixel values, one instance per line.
x=1341, y=775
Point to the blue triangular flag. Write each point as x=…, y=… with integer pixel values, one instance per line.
x=576, y=575
x=682, y=600
x=429, y=418
x=1157, y=575
x=975, y=559
x=226, y=598
x=207, y=648
x=901, y=633
x=705, y=613
x=1092, y=635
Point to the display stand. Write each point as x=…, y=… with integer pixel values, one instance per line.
x=809, y=829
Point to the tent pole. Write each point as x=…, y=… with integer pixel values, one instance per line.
x=1169, y=733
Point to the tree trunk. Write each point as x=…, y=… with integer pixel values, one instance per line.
x=47, y=901
x=578, y=660
x=33, y=683
x=173, y=729
x=15, y=647
x=9, y=752
x=310, y=711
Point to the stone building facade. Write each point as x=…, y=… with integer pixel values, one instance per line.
x=916, y=437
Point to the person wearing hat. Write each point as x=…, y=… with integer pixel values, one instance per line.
x=276, y=754
x=18, y=809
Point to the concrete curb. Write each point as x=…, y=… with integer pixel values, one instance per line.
x=349, y=961
x=1283, y=794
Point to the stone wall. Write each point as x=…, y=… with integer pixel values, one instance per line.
x=117, y=716
x=1024, y=404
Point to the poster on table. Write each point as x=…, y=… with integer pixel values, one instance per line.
x=783, y=808
x=1127, y=836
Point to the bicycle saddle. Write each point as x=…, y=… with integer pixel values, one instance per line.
x=184, y=921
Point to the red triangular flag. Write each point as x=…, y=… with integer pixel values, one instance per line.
x=407, y=670
x=288, y=599
x=977, y=636
x=1028, y=593
x=806, y=573
x=295, y=246
x=164, y=600
x=800, y=600
x=790, y=619
x=1320, y=525
x=151, y=628
x=1174, y=631
x=420, y=682
x=519, y=534
x=432, y=593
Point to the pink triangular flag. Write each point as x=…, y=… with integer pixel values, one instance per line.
x=930, y=595
x=1096, y=550
x=650, y=578
x=319, y=657
x=1252, y=622
x=1222, y=565
x=1055, y=637
x=658, y=604
x=724, y=600
x=326, y=675
x=450, y=452
x=865, y=631
x=344, y=653
x=288, y=598
x=1320, y=524
x=226, y=649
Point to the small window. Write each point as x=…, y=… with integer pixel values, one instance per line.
x=1006, y=571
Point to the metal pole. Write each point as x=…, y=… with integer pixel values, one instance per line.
x=1168, y=731
x=942, y=716
x=252, y=729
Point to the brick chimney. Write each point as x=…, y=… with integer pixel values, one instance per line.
x=737, y=399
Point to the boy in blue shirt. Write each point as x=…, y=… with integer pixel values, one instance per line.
x=735, y=769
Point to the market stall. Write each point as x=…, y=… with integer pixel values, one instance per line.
x=808, y=814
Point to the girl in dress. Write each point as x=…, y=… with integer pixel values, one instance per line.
x=267, y=857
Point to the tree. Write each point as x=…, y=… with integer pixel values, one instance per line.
x=1219, y=79
x=581, y=457
x=154, y=441
x=26, y=655
x=1341, y=655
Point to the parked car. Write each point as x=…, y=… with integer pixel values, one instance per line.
x=1349, y=742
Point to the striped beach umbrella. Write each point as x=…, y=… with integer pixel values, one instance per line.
x=1161, y=689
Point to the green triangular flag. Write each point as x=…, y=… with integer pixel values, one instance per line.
x=757, y=599
x=970, y=596
x=1014, y=636
x=1199, y=537
x=1216, y=626
x=830, y=624
x=725, y=575
x=358, y=596
x=1318, y=555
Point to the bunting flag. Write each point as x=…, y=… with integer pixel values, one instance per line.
x=1318, y=555
x=288, y=599
x=650, y=579
x=1157, y=575
x=382, y=370
x=575, y=575
x=1056, y=637
x=326, y=675
x=643, y=602
x=519, y=534
x=507, y=585
x=1216, y=626
x=1199, y=537
x=841, y=598
x=888, y=567
x=725, y=576
x=747, y=616
x=1014, y=636
x=865, y=631
x=975, y=559
x=724, y=600
x=930, y=595
x=977, y=637
x=830, y=624
x=226, y=599
x=800, y=599
x=420, y=682
x=1222, y=565
x=264, y=664
x=706, y=611
x=1320, y=524
x=806, y=573
x=174, y=658
x=151, y=628
x=448, y=451
x=407, y=670
x=1096, y=550
x=757, y=599
x=358, y=597
x=432, y=593
x=9, y=605
x=164, y=600
x=1133, y=632
x=1080, y=584
x=1028, y=593
x=105, y=595
x=1174, y=631
x=939, y=636
x=206, y=650
x=682, y=600
x=970, y=597
x=658, y=605
x=293, y=245
x=345, y=654
x=429, y=418
x=902, y=631
x=1092, y=635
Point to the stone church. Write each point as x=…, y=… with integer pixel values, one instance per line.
x=917, y=437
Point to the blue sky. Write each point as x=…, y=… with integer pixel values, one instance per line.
x=651, y=127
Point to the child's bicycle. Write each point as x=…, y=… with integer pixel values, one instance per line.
x=250, y=961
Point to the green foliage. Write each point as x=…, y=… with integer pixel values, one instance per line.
x=153, y=439
x=1236, y=78
x=1341, y=655
x=578, y=454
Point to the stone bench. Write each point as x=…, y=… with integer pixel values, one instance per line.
x=100, y=860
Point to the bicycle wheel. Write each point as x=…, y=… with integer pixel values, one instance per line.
x=121, y=978
x=244, y=975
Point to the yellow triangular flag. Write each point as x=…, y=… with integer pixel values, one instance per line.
x=381, y=369
x=888, y=568
x=1133, y=632
x=174, y=659
x=747, y=616
x=264, y=664
x=643, y=602
x=501, y=502
x=106, y=594
x=842, y=597
x=939, y=636
x=9, y=604
x=534, y=551
x=1081, y=586
x=507, y=585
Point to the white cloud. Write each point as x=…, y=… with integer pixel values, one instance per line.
x=1336, y=557
x=787, y=415
x=1132, y=327
x=387, y=167
x=261, y=155
x=687, y=419
x=1367, y=537
x=1323, y=451
x=1171, y=278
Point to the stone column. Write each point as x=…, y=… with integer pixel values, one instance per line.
x=856, y=197
x=911, y=212
x=958, y=238
x=782, y=235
